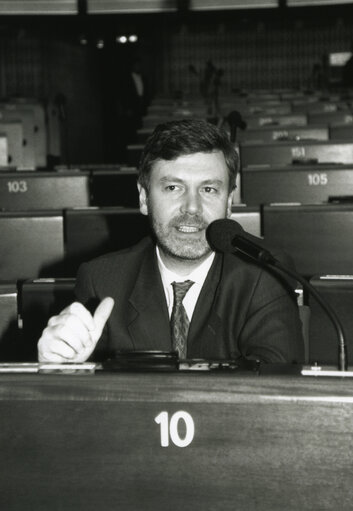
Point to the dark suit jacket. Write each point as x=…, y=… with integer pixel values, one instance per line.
x=243, y=311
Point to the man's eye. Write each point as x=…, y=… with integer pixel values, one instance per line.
x=171, y=188
x=210, y=189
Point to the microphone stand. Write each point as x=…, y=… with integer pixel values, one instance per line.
x=250, y=249
x=342, y=347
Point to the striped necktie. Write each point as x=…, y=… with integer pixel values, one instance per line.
x=179, y=320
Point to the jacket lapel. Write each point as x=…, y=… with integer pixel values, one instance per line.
x=204, y=332
x=148, y=321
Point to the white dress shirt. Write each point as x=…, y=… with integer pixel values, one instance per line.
x=198, y=276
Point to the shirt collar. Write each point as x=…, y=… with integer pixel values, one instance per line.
x=198, y=275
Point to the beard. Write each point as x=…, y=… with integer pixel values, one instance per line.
x=181, y=245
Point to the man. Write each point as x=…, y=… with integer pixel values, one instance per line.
x=230, y=307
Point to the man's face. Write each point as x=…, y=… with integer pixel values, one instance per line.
x=185, y=196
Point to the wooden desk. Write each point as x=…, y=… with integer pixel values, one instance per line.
x=92, y=443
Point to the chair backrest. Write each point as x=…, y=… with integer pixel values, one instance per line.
x=318, y=237
x=21, y=191
x=114, y=187
x=94, y=231
x=32, y=244
x=303, y=151
x=305, y=184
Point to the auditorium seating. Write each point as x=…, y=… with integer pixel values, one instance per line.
x=294, y=150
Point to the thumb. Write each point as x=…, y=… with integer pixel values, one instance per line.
x=101, y=316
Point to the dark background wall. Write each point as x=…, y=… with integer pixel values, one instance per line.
x=42, y=57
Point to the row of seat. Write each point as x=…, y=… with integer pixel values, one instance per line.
x=53, y=243
x=257, y=184
x=105, y=186
x=26, y=306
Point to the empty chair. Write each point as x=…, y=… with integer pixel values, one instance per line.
x=39, y=299
x=114, y=187
x=306, y=184
x=303, y=151
x=32, y=244
x=337, y=291
x=318, y=237
x=94, y=231
x=21, y=191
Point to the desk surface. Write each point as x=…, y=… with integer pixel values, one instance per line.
x=92, y=442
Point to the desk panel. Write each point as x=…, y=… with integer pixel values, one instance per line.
x=92, y=442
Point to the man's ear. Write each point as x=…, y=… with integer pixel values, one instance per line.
x=229, y=204
x=142, y=199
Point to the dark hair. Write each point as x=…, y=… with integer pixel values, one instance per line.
x=177, y=138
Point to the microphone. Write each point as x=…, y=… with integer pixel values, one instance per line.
x=235, y=121
x=226, y=235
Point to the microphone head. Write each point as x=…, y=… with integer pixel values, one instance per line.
x=221, y=233
x=235, y=119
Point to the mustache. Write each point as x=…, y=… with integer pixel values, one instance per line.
x=190, y=220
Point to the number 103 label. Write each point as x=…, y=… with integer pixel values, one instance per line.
x=169, y=428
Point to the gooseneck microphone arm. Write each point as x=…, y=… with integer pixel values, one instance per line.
x=228, y=236
x=342, y=347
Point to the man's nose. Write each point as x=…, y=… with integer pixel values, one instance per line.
x=191, y=202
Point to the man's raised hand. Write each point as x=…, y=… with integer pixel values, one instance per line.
x=72, y=335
